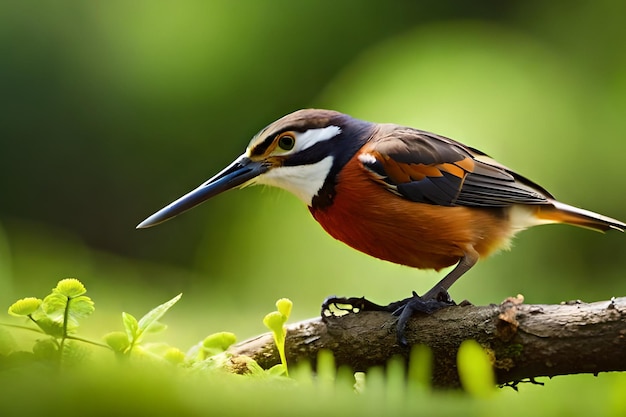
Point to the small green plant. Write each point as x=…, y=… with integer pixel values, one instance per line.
x=212, y=353
x=215, y=344
x=275, y=321
x=129, y=341
x=56, y=316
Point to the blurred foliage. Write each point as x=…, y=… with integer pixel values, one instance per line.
x=109, y=110
x=146, y=390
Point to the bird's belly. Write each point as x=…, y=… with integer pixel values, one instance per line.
x=377, y=222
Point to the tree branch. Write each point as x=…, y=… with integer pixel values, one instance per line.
x=527, y=340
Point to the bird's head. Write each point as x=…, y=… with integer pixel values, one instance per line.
x=302, y=153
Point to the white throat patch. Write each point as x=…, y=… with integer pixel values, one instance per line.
x=304, y=181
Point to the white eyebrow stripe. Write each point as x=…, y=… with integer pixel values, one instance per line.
x=313, y=136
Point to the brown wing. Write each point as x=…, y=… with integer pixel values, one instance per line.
x=428, y=168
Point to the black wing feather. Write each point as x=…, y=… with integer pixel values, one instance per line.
x=434, y=190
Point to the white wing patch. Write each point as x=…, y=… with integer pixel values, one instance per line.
x=367, y=158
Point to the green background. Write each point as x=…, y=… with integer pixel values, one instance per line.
x=111, y=109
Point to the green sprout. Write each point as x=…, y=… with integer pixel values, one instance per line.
x=216, y=343
x=124, y=343
x=275, y=321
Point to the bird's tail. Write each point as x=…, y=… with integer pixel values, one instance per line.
x=563, y=213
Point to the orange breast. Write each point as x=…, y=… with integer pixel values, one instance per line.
x=373, y=220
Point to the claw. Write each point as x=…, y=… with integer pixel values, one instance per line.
x=340, y=306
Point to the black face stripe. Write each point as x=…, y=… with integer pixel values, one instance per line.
x=261, y=148
x=311, y=154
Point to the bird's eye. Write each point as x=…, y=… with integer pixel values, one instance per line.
x=286, y=142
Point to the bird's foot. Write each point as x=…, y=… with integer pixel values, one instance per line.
x=403, y=309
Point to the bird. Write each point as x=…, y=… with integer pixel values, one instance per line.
x=396, y=193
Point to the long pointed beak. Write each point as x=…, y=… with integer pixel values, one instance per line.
x=238, y=173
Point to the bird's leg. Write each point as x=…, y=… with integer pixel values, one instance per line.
x=436, y=298
x=465, y=264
